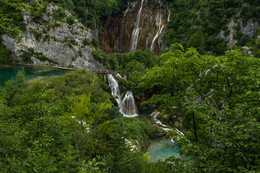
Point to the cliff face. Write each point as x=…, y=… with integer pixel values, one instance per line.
x=142, y=23
x=54, y=42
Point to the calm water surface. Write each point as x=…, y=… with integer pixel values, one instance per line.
x=160, y=149
x=10, y=72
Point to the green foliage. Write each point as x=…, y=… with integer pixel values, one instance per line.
x=95, y=42
x=198, y=23
x=36, y=34
x=59, y=14
x=5, y=55
x=27, y=55
x=11, y=18
x=90, y=12
x=43, y=135
x=216, y=99
x=132, y=64
x=70, y=20
x=86, y=42
x=93, y=166
x=139, y=132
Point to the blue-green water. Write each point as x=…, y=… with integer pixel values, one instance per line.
x=10, y=72
x=160, y=149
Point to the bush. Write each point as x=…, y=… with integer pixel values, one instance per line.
x=86, y=42
x=70, y=20
x=95, y=42
x=5, y=56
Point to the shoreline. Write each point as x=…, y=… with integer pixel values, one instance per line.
x=32, y=65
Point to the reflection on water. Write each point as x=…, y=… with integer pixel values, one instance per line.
x=10, y=72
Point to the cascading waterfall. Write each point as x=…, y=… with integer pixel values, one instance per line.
x=115, y=90
x=127, y=106
x=160, y=28
x=136, y=30
x=165, y=127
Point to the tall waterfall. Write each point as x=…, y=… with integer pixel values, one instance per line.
x=127, y=106
x=136, y=30
x=160, y=26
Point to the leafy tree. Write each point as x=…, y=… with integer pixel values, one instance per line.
x=214, y=99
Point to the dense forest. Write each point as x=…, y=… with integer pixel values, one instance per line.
x=199, y=85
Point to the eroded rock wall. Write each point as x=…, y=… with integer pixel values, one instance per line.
x=115, y=33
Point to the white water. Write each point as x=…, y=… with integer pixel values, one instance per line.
x=136, y=30
x=169, y=13
x=126, y=12
x=165, y=127
x=115, y=90
x=127, y=106
x=160, y=27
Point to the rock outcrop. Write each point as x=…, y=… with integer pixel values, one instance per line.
x=116, y=32
x=57, y=42
x=250, y=29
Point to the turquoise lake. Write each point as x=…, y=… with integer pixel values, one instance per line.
x=160, y=149
x=10, y=72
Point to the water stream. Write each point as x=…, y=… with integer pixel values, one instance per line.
x=160, y=26
x=169, y=13
x=127, y=105
x=136, y=30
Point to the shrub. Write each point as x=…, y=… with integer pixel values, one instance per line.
x=86, y=42
x=70, y=20
x=95, y=42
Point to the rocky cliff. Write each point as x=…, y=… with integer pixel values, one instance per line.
x=55, y=42
x=143, y=22
x=250, y=29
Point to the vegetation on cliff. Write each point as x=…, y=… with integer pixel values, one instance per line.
x=198, y=24
x=70, y=123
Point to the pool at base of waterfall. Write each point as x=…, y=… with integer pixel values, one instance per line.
x=161, y=148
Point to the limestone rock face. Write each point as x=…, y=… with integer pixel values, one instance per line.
x=249, y=29
x=58, y=41
x=115, y=34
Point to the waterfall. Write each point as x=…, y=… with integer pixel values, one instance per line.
x=165, y=127
x=115, y=90
x=169, y=13
x=126, y=12
x=127, y=106
x=136, y=30
x=160, y=28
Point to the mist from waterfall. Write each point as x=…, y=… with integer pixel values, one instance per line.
x=136, y=30
x=127, y=106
